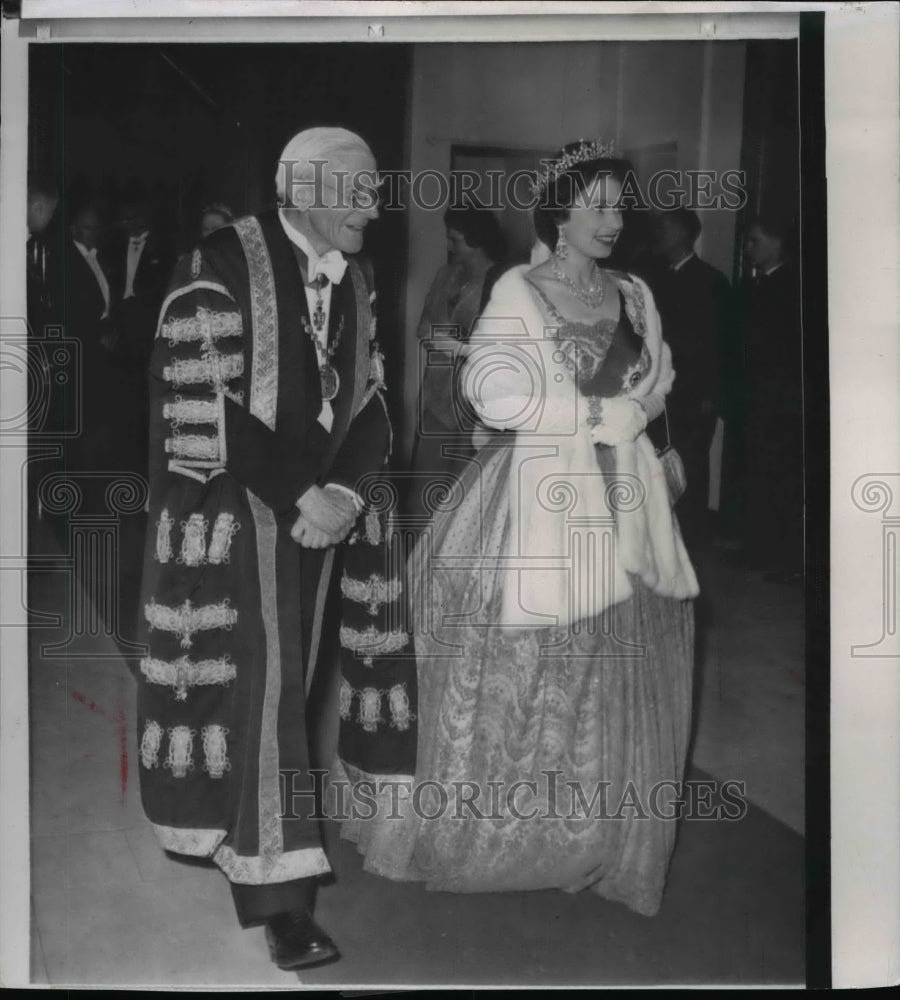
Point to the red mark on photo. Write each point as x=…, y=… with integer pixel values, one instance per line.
x=121, y=724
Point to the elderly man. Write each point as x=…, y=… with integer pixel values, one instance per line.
x=265, y=414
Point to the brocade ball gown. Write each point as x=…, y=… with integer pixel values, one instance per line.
x=596, y=716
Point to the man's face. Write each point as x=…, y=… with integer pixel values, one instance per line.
x=669, y=240
x=40, y=212
x=87, y=228
x=763, y=250
x=134, y=220
x=211, y=222
x=345, y=204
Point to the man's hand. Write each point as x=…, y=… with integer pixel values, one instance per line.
x=326, y=517
x=328, y=510
x=344, y=502
x=311, y=537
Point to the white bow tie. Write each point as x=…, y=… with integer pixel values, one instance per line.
x=332, y=265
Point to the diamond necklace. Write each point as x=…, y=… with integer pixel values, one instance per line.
x=592, y=297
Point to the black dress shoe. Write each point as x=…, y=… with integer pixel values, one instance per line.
x=296, y=941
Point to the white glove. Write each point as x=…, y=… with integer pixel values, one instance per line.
x=621, y=420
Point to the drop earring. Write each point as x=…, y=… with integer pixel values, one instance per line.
x=562, y=248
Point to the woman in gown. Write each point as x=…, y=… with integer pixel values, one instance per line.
x=552, y=600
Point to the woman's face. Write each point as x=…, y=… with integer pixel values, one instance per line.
x=594, y=222
x=457, y=248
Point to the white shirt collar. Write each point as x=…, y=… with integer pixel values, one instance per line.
x=772, y=270
x=90, y=257
x=682, y=262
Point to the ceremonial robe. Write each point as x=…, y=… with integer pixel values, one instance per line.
x=233, y=606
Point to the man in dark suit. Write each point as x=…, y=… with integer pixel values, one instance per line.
x=47, y=410
x=266, y=413
x=42, y=273
x=774, y=393
x=140, y=266
x=693, y=302
x=43, y=199
x=86, y=313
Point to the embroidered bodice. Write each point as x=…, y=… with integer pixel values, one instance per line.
x=606, y=358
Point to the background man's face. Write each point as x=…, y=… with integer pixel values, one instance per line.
x=211, y=222
x=669, y=239
x=87, y=228
x=345, y=204
x=763, y=250
x=40, y=212
x=134, y=220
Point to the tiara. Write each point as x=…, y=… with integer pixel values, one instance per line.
x=583, y=153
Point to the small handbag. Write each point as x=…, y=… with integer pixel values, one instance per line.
x=673, y=467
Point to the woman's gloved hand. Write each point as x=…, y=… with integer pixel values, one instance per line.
x=615, y=420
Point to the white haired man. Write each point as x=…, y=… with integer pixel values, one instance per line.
x=266, y=412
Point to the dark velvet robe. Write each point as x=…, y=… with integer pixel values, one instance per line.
x=234, y=607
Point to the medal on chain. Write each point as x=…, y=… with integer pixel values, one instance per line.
x=329, y=379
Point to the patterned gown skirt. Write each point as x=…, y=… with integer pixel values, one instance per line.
x=547, y=758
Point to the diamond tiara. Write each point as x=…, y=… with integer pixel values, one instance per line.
x=584, y=152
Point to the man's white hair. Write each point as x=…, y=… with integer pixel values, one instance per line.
x=312, y=145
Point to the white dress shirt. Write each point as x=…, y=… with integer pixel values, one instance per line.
x=135, y=248
x=91, y=257
x=332, y=265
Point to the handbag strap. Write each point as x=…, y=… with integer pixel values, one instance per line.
x=666, y=417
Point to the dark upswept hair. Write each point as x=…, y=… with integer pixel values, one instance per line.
x=559, y=196
x=479, y=227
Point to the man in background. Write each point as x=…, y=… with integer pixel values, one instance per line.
x=140, y=265
x=86, y=313
x=693, y=302
x=773, y=455
x=43, y=199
